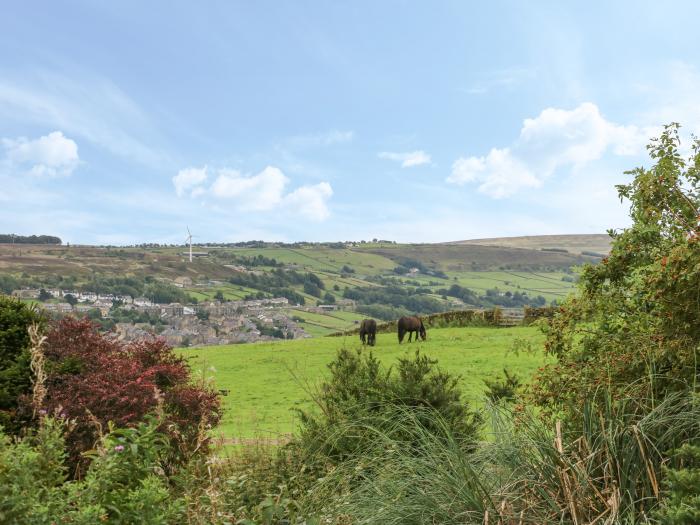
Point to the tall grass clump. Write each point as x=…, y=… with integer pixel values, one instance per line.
x=606, y=470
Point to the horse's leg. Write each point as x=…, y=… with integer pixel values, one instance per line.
x=410, y=335
x=400, y=336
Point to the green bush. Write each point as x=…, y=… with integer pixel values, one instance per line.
x=124, y=484
x=505, y=389
x=360, y=389
x=15, y=375
x=682, y=503
x=636, y=319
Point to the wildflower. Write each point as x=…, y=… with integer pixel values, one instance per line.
x=42, y=412
x=119, y=448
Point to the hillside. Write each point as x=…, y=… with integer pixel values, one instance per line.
x=575, y=244
x=383, y=280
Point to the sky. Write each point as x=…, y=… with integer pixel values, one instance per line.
x=127, y=122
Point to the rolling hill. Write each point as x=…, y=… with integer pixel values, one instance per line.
x=576, y=244
x=382, y=279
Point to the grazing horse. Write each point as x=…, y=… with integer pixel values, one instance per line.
x=368, y=331
x=411, y=325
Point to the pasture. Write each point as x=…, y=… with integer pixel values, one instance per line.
x=267, y=381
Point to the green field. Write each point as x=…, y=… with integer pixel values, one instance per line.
x=326, y=323
x=266, y=381
x=536, y=270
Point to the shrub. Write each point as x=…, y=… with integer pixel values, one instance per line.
x=15, y=375
x=124, y=484
x=93, y=380
x=636, y=320
x=504, y=389
x=682, y=504
x=361, y=389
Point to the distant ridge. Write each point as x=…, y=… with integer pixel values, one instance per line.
x=577, y=243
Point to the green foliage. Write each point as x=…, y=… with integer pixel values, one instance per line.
x=604, y=469
x=124, y=484
x=15, y=375
x=394, y=296
x=502, y=389
x=164, y=293
x=682, y=484
x=11, y=238
x=361, y=389
x=31, y=476
x=636, y=320
x=312, y=289
x=8, y=284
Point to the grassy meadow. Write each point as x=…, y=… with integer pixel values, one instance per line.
x=266, y=381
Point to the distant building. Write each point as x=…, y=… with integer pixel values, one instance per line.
x=142, y=301
x=26, y=293
x=182, y=281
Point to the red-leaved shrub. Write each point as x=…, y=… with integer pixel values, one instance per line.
x=93, y=379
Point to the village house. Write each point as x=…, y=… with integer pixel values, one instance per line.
x=26, y=293
x=142, y=301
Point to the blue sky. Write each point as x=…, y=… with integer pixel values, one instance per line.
x=125, y=122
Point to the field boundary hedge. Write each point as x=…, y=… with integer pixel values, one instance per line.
x=476, y=317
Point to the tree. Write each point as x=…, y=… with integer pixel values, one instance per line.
x=329, y=298
x=71, y=299
x=44, y=295
x=15, y=374
x=219, y=296
x=312, y=289
x=634, y=328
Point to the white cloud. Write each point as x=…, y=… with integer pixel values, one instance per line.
x=190, y=180
x=560, y=137
x=499, y=173
x=53, y=155
x=408, y=159
x=556, y=139
x=264, y=191
x=311, y=201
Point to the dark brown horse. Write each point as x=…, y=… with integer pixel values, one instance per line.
x=411, y=325
x=368, y=331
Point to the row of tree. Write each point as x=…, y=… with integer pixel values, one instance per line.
x=11, y=238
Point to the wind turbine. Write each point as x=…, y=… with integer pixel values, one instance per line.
x=188, y=239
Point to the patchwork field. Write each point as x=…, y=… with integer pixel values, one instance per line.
x=266, y=381
x=538, y=269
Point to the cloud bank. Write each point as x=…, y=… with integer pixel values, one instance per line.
x=554, y=140
x=53, y=155
x=262, y=192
